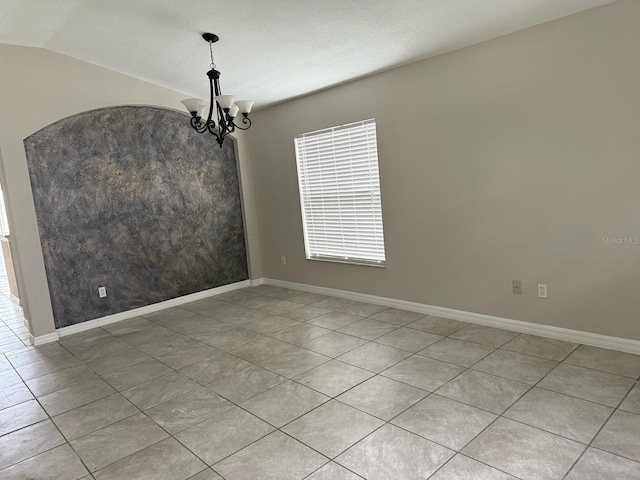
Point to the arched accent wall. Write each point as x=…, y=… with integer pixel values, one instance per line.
x=132, y=199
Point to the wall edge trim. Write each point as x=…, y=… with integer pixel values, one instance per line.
x=549, y=331
x=136, y=312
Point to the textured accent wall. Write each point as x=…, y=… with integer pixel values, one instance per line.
x=133, y=199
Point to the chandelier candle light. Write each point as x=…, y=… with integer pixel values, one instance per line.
x=224, y=105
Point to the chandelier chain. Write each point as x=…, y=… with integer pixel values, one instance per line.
x=213, y=65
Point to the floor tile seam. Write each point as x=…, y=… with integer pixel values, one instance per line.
x=329, y=459
x=586, y=444
x=229, y=353
x=224, y=458
x=17, y=322
x=475, y=460
x=465, y=369
x=11, y=327
x=24, y=385
x=564, y=362
x=34, y=423
x=538, y=356
x=553, y=433
x=49, y=419
x=385, y=422
x=418, y=434
x=21, y=346
x=68, y=442
x=138, y=384
x=372, y=371
x=208, y=386
x=497, y=417
x=342, y=451
x=600, y=449
x=531, y=387
x=557, y=362
x=116, y=461
x=368, y=339
x=362, y=368
x=45, y=358
x=502, y=415
x=65, y=411
x=350, y=350
x=616, y=409
x=448, y=334
x=421, y=388
x=12, y=330
x=509, y=378
x=537, y=385
x=243, y=408
x=461, y=366
x=9, y=335
x=414, y=352
x=127, y=417
x=574, y=397
x=181, y=368
x=95, y=375
x=35, y=455
x=328, y=463
x=327, y=400
x=333, y=397
x=305, y=371
x=298, y=344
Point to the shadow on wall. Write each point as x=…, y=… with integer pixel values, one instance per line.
x=133, y=199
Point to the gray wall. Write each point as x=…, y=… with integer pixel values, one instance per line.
x=131, y=198
x=507, y=160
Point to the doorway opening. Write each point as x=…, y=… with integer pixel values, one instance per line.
x=14, y=332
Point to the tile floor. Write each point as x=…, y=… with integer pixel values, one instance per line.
x=278, y=384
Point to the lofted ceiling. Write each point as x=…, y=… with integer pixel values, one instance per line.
x=269, y=50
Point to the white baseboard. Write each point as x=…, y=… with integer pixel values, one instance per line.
x=136, y=312
x=43, y=339
x=576, y=336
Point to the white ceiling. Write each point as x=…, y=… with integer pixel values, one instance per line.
x=270, y=50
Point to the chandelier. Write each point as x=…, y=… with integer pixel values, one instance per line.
x=225, y=107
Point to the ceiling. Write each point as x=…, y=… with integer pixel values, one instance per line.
x=269, y=50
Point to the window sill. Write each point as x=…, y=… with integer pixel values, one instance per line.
x=363, y=263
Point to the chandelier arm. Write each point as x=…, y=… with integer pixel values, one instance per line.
x=198, y=125
x=246, y=121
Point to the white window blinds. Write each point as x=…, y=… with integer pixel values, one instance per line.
x=340, y=194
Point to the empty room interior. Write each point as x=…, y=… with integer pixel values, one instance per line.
x=330, y=240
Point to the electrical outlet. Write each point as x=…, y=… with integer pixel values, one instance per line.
x=542, y=290
x=102, y=292
x=516, y=286
x=284, y=260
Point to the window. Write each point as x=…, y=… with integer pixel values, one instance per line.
x=340, y=194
